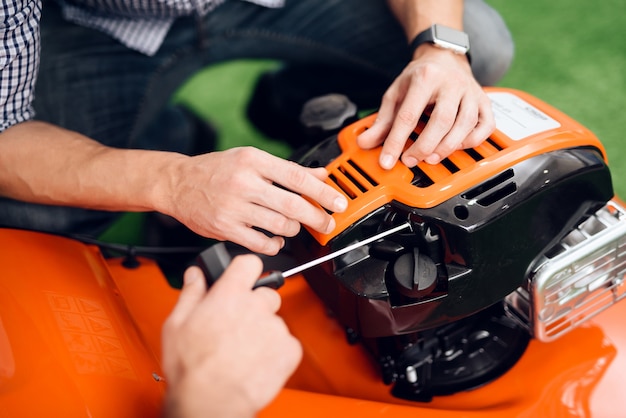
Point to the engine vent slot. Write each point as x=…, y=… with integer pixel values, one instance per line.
x=362, y=172
x=464, y=158
x=420, y=179
x=492, y=185
x=450, y=165
x=494, y=144
x=475, y=155
x=426, y=175
x=352, y=179
x=497, y=195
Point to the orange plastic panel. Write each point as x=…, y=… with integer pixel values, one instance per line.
x=79, y=336
x=68, y=343
x=395, y=184
x=579, y=375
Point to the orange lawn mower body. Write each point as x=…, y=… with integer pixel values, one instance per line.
x=80, y=332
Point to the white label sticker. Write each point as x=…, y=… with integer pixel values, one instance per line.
x=517, y=118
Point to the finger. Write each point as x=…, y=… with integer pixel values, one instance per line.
x=464, y=124
x=320, y=173
x=277, y=211
x=406, y=119
x=270, y=297
x=485, y=126
x=294, y=206
x=376, y=134
x=438, y=126
x=277, y=223
x=240, y=275
x=300, y=180
x=194, y=289
x=256, y=241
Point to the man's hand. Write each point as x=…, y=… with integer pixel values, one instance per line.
x=226, y=352
x=228, y=195
x=461, y=111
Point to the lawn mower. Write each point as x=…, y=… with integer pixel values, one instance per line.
x=489, y=288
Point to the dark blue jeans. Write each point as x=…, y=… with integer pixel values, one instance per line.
x=92, y=84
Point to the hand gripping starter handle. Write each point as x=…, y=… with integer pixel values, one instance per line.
x=214, y=260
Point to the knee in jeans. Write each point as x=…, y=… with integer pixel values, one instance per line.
x=492, y=48
x=492, y=67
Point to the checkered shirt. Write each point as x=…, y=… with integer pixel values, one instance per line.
x=139, y=24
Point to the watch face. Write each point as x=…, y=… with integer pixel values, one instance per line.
x=451, y=38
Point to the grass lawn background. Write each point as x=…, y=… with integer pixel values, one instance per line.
x=572, y=54
x=569, y=53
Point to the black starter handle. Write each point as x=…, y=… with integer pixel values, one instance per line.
x=214, y=260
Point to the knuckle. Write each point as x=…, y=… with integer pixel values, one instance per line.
x=285, y=226
x=297, y=176
x=292, y=229
x=267, y=246
x=246, y=155
x=235, y=181
x=422, y=149
x=443, y=121
x=473, y=142
x=470, y=119
x=407, y=117
x=425, y=72
x=489, y=126
x=423, y=145
x=290, y=206
x=219, y=225
x=388, y=96
x=445, y=149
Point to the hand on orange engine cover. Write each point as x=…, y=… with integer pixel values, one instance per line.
x=461, y=111
x=226, y=195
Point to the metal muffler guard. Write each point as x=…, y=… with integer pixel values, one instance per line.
x=578, y=278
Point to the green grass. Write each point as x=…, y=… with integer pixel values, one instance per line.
x=569, y=53
x=220, y=94
x=572, y=54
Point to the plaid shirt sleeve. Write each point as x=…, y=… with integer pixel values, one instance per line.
x=19, y=59
x=140, y=24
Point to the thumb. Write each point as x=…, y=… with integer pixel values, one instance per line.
x=194, y=289
x=241, y=274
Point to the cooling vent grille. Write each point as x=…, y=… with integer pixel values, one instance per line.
x=354, y=180
x=492, y=190
x=425, y=175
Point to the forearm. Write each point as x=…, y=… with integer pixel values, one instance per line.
x=42, y=163
x=417, y=15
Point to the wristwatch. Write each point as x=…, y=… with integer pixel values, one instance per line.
x=445, y=38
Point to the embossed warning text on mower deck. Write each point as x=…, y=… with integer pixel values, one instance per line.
x=517, y=118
